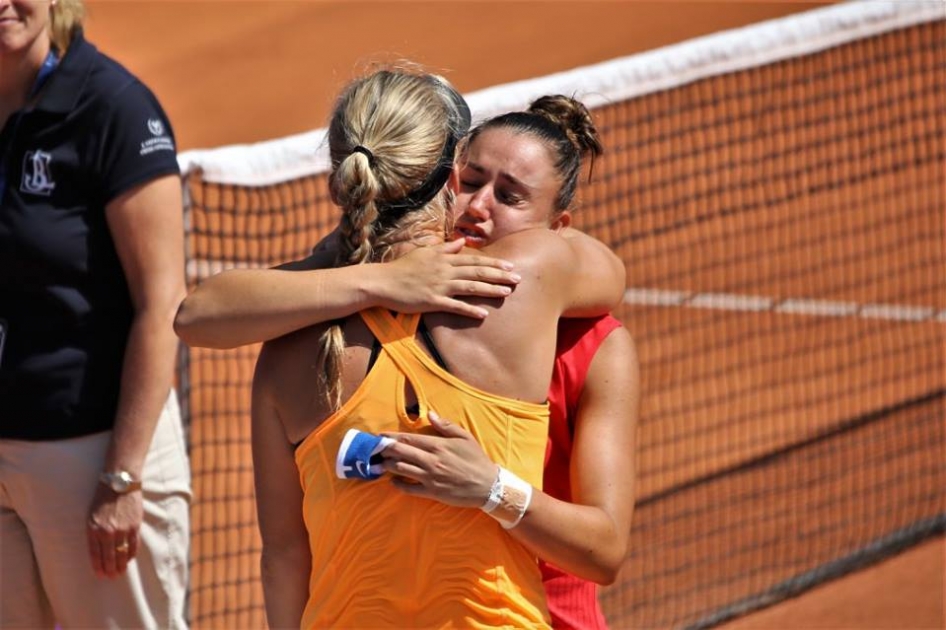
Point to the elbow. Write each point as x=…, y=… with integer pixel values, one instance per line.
x=189, y=328
x=608, y=567
x=184, y=324
x=606, y=570
x=607, y=574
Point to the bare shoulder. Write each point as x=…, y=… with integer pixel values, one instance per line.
x=286, y=363
x=538, y=253
x=614, y=370
x=619, y=345
x=528, y=245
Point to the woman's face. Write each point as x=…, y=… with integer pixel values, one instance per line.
x=507, y=184
x=22, y=24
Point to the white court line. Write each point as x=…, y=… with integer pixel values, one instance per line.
x=791, y=306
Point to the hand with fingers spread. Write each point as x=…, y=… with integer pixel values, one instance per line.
x=114, y=522
x=450, y=467
x=433, y=278
x=241, y=306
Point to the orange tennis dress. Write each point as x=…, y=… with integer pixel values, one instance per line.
x=381, y=558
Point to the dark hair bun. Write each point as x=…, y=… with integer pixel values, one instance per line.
x=573, y=118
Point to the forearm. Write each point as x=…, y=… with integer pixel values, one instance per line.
x=147, y=378
x=588, y=540
x=285, y=577
x=581, y=539
x=243, y=306
x=589, y=537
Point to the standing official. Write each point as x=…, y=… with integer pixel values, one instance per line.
x=94, y=480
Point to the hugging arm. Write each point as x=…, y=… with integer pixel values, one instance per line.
x=600, y=275
x=575, y=274
x=285, y=563
x=241, y=306
x=587, y=537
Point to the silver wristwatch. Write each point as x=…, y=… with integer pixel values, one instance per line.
x=121, y=482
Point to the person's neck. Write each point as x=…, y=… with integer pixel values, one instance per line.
x=18, y=71
x=424, y=239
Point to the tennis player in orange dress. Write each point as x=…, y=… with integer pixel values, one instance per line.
x=344, y=547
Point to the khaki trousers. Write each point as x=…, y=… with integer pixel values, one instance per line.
x=46, y=575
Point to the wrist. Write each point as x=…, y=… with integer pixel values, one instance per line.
x=120, y=481
x=375, y=284
x=509, y=498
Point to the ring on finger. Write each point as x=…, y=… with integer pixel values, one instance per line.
x=123, y=548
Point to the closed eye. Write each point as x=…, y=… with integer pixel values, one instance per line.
x=509, y=197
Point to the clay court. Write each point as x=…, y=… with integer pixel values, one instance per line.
x=248, y=71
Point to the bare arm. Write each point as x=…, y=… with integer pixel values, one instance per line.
x=146, y=226
x=242, y=306
x=285, y=563
x=587, y=538
x=597, y=266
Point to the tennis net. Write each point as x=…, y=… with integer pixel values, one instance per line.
x=777, y=195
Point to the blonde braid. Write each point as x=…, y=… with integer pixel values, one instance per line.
x=386, y=135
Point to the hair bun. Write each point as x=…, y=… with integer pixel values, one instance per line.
x=573, y=118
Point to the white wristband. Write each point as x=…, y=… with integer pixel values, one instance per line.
x=509, y=498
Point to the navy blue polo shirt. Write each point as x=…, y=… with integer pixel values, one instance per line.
x=95, y=132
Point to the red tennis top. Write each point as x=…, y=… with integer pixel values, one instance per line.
x=572, y=601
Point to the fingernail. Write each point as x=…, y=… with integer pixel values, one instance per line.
x=515, y=277
x=507, y=265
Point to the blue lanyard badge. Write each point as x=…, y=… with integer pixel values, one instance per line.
x=49, y=64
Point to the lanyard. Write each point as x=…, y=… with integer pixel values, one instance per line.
x=49, y=64
x=45, y=70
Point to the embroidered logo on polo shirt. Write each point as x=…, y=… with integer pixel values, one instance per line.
x=37, y=178
x=156, y=127
x=160, y=142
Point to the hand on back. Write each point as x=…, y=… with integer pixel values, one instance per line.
x=436, y=278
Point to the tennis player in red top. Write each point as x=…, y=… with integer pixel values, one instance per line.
x=580, y=523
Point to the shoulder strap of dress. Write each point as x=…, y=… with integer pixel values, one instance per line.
x=388, y=328
x=396, y=335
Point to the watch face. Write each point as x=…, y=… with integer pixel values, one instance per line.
x=121, y=482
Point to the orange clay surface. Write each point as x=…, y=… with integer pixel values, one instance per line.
x=242, y=71
x=238, y=71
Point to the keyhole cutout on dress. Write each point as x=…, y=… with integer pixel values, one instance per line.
x=411, y=406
